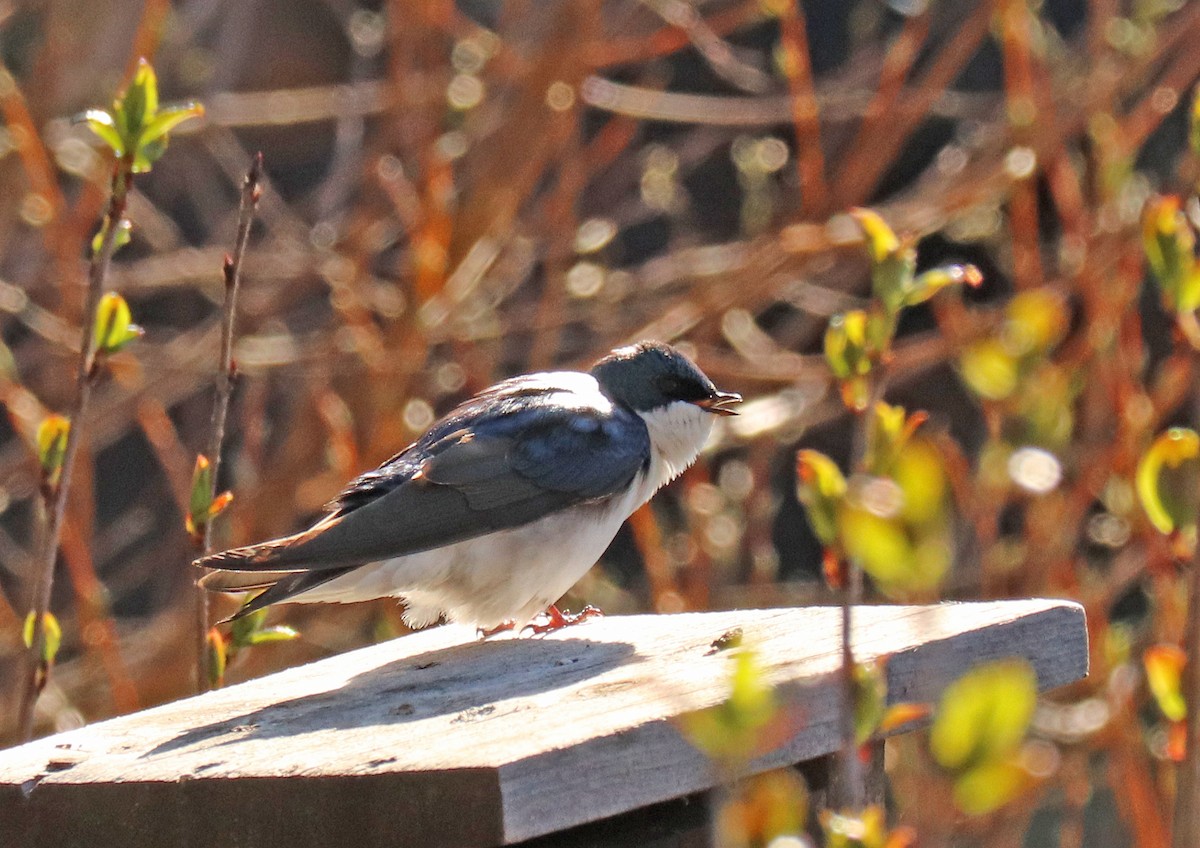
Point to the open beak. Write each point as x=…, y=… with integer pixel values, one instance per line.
x=722, y=403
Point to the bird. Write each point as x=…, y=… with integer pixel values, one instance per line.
x=502, y=505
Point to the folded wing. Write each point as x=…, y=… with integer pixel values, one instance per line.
x=515, y=454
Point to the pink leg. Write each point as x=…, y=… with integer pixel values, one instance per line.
x=499, y=628
x=556, y=619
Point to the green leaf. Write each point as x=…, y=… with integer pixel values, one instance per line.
x=1169, y=244
x=276, y=633
x=52, y=445
x=751, y=697
x=114, y=327
x=138, y=104
x=730, y=732
x=878, y=542
x=893, y=262
x=124, y=234
x=820, y=487
x=892, y=280
x=870, y=700
x=1164, y=673
x=891, y=430
x=200, y=502
x=854, y=340
x=897, y=527
x=989, y=786
x=136, y=127
x=881, y=241
x=1194, y=124
x=51, y=635
x=104, y=125
x=148, y=153
x=242, y=630
x=927, y=284
x=1188, y=297
x=989, y=370
x=846, y=348
x=984, y=715
x=1168, y=481
x=168, y=119
x=1034, y=322
x=218, y=657
x=920, y=472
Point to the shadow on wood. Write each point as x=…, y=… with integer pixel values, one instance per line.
x=436, y=739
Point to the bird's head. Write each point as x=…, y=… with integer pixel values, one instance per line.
x=649, y=376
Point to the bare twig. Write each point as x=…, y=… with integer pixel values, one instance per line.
x=55, y=499
x=810, y=160
x=854, y=790
x=223, y=382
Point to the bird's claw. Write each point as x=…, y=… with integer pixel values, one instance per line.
x=499, y=628
x=555, y=619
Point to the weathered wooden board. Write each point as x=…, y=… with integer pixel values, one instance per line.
x=437, y=739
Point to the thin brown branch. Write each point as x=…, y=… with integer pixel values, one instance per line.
x=36, y=672
x=719, y=55
x=878, y=117
x=1023, y=110
x=854, y=789
x=810, y=160
x=918, y=100
x=223, y=381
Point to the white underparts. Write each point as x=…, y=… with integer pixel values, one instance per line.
x=515, y=574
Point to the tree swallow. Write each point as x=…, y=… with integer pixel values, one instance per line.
x=492, y=515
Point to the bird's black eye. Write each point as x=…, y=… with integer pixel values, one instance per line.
x=679, y=388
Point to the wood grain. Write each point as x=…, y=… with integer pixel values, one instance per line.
x=437, y=739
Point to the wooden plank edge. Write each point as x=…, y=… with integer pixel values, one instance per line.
x=1053, y=639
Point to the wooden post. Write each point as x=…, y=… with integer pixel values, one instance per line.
x=438, y=739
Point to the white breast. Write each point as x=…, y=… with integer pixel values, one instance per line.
x=514, y=574
x=677, y=433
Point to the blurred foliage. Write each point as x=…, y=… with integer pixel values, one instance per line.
x=461, y=191
x=891, y=517
x=978, y=730
x=868, y=830
x=1164, y=671
x=1168, y=483
x=731, y=733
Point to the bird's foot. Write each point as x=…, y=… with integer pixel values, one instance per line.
x=555, y=619
x=502, y=627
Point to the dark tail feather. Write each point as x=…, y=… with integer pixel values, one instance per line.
x=261, y=557
x=286, y=554
x=286, y=586
x=241, y=581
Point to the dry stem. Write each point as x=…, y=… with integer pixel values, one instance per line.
x=55, y=499
x=854, y=790
x=223, y=382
